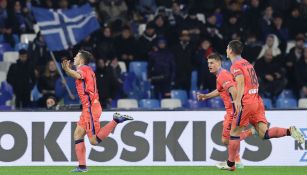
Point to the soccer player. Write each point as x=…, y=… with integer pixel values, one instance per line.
x=91, y=109
x=249, y=106
x=225, y=87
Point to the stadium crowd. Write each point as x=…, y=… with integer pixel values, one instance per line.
x=173, y=38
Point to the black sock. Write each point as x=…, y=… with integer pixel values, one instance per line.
x=82, y=166
x=98, y=139
x=288, y=132
x=230, y=164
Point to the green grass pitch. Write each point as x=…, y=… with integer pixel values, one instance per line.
x=153, y=170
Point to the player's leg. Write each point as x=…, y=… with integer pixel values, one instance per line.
x=107, y=129
x=277, y=132
x=80, y=148
x=98, y=134
x=274, y=132
x=239, y=122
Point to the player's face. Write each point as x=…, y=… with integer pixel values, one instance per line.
x=213, y=66
x=77, y=59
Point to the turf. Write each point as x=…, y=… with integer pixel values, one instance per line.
x=158, y=170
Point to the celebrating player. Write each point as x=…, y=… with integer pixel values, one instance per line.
x=225, y=87
x=249, y=107
x=91, y=109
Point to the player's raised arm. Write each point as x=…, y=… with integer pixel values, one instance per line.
x=70, y=72
x=202, y=97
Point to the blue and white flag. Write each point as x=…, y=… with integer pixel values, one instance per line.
x=62, y=29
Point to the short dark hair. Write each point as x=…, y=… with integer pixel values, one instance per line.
x=86, y=56
x=215, y=56
x=236, y=46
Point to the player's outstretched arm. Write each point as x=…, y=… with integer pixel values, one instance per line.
x=202, y=97
x=66, y=67
x=240, y=92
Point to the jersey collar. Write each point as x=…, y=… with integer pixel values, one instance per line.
x=238, y=58
x=219, y=71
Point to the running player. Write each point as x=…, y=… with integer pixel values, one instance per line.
x=249, y=106
x=225, y=87
x=91, y=109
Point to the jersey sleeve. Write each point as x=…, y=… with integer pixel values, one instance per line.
x=236, y=70
x=225, y=81
x=82, y=71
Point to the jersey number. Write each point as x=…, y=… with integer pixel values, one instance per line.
x=253, y=76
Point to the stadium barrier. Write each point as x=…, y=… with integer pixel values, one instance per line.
x=164, y=138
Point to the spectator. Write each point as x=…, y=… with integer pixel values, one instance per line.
x=252, y=48
x=212, y=32
x=193, y=25
x=17, y=18
x=104, y=43
x=272, y=43
x=296, y=23
x=8, y=36
x=271, y=78
x=147, y=41
x=301, y=74
x=51, y=103
x=126, y=46
x=231, y=28
x=266, y=22
x=3, y=13
x=291, y=60
x=161, y=25
x=110, y=10
x=46, y=83
x=183, y=54
x=281, y=32
x=38, y=53
x=206, y=80
x=61, y=92
x=251, y=16
x=177, y=16
x=108, y=81
x=21, y=77
x=161, y=69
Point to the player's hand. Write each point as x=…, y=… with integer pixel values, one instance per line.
x=238, y=106
x=201, y=97
x=66, y=64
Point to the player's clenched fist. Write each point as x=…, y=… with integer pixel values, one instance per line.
x=201, y=97
x=66, y=64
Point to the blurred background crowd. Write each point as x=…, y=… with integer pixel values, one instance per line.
x=152, y=50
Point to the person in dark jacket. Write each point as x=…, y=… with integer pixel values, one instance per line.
x=161, y=69
x=290, y=61
x=126, y=46
x=147, y=41
x=108, y=80
x=104, y=42
x=183, y=53
x=21, y=77
x=271, y=78
x=206, y=80
x=301, y=74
